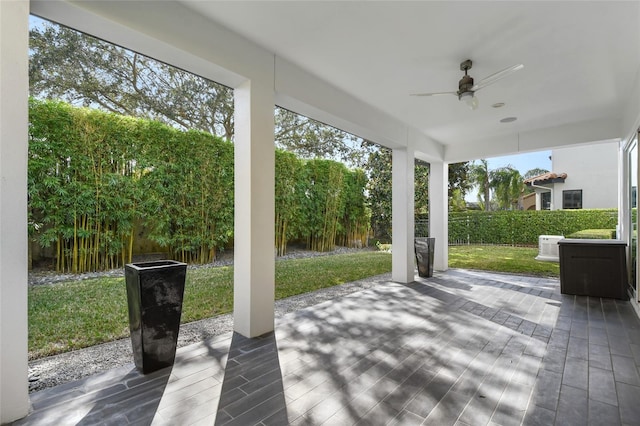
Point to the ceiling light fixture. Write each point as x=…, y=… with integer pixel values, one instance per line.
x=508, y=119
x=498, y=105
x=470, y=99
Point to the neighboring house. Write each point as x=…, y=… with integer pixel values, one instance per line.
x=584, y=177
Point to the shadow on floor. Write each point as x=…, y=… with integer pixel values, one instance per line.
x=252, y=390
x=125, y=396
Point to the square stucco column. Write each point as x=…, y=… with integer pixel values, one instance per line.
x=254, y=260
x=402, y=222
x=14, y=89
x=439, y=213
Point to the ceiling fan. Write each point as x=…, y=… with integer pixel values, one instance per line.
x=467, y=88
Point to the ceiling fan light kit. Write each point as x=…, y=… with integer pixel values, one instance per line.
x=469, y=99
x=473, y=103
x=467, y=88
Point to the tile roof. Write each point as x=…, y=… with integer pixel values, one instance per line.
x=549, y=176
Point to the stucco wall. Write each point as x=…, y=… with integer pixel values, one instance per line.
x=593, y=169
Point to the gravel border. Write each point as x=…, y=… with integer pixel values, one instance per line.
x=225, y=258
x=67, y=367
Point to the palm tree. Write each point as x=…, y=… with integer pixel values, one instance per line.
x=481, y=176
x=508, y=186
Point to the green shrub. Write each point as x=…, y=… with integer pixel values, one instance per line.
x=599, y=234
x=523, y=227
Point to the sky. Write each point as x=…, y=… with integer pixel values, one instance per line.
x=522, y=162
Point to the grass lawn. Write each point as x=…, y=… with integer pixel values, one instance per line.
x=520, y=260
x=77, y=314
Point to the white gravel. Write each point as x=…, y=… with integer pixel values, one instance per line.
x=71, y=366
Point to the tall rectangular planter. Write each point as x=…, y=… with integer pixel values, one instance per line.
x=155, y=291
x=425, y=249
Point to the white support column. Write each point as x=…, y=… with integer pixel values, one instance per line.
x=254, y=270
x=14, y=89
x=624, y=201
x=402, y=223
x=439, y=213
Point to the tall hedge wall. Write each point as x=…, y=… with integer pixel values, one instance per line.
x=524, y=227
x=94, y=177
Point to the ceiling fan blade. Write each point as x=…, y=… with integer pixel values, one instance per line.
x=496, y=76
x=434, y=94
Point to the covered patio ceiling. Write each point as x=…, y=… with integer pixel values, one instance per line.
x=581, y=60
x=580, y=81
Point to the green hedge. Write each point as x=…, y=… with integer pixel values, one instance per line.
x=95, y=177
x=524, y=227
x=597, y=234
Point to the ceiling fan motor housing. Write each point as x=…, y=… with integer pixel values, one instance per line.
x=466, y=82
x=464, y=85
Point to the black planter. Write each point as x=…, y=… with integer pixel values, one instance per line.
x=154, y=293
x=424, y=248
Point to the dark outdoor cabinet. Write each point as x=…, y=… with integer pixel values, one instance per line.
x=154, y=294
x=593, y=268
x=424, y=248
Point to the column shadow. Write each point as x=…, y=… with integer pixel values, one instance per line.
x=134, y=400
x=252, y=389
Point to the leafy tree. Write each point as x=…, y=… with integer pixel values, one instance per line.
x=535, y=172
x=459, y=178
x=82, y=70
x=311, y=139
x=85, y=71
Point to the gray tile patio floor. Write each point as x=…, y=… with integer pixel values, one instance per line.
x=462, y=348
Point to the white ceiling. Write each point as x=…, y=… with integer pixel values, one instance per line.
x=580, y=58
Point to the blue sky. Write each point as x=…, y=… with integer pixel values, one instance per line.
x=523, y=162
